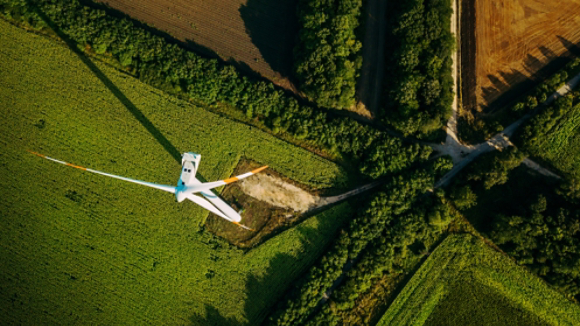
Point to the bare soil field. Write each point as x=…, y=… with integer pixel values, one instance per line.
x=254, y=35
x=510, y=45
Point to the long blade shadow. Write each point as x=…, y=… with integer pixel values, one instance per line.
x=114, y=89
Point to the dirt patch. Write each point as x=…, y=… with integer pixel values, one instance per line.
x=518, y=43
x=254, y=35
x=270, y=203
x=278, y=193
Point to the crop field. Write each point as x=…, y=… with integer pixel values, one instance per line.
x=559, y=145
x=465, y=282
x=254, y=34
x=79, y=248
x=510, y=45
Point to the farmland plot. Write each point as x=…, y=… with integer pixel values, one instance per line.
x=78, y=248
x=510, y=45
x=465, y=282
x=556, y=138
x=254, y=34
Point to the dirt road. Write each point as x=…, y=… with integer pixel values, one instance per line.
x=373, y=53
x=501, y=140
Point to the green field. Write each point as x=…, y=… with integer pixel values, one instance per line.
x=465, y=282
x=79, y=248
x=558, y=139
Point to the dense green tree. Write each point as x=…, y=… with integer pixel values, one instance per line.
x=545, y=240
x=495, y=169
x=326, y=57
x=418, y=80
x=463, y=197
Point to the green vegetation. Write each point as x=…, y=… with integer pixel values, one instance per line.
x=393, y=219
x=465, y=282
x=175, y=70
x=553, y=135
x=492, y=168
x=481, y=128
x=81, y=248
x=528, y=217
x=327, y=58
x=408, y=236
x=419, y=85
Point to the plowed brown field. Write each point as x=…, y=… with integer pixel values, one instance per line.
x=256, y=35
x=517, y=43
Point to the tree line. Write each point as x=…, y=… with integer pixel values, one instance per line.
x=392, y=220
x=406, y=239
x=208, y=81
x=327, y=56
x=418, y=80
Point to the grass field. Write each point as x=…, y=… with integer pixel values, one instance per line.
x=255, y=35
x=518, y=43
x=559, y=143
x=78, y=248
x=465, y=282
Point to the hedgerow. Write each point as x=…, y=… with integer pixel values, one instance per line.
x=172, y=68
x=387, y=221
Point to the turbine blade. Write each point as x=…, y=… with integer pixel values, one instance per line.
x=207, y=205
x=243, y=226
x=215, y=184
x=222, y=206
x=143, y=183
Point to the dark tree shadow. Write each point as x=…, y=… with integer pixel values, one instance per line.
x=262, y=306
x=574, y=49
x=145, y=122
x=503, y=92
x=261, y=297
x=212, y=317
x=272, y=26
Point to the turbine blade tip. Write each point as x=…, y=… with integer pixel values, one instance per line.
x=260, y=169
x=35, y=153
x=243, y=226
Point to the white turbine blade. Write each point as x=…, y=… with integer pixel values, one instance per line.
x=207, y=205
x=143, y=183
x=215, y=184
x=232, y=215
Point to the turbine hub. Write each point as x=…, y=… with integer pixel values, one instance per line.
x=180, y=195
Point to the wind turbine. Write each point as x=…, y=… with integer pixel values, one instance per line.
x=187, y=186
